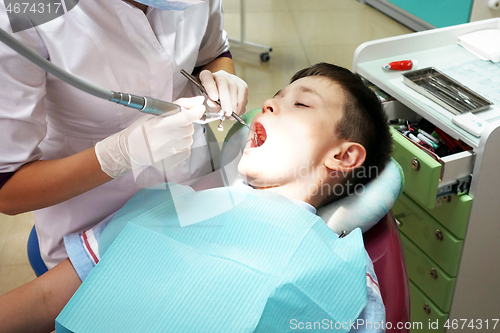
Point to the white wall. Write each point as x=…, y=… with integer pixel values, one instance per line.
x=481, y=11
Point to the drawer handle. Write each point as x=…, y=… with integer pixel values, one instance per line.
x=434, y=273
x=439, y=235
x=415, y=164
x=399, y=216
x=427, y=308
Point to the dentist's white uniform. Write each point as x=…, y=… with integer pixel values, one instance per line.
x=113, y=45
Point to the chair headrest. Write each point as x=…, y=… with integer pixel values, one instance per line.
x=360, y=210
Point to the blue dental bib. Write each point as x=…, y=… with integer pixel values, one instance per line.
x=259, y=264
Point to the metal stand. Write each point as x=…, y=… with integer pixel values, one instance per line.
x=264, y=56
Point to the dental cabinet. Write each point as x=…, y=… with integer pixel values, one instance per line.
x=449, y=213
x=428, y=14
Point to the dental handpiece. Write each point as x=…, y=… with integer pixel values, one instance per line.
x=142, y=103
x=146, y=104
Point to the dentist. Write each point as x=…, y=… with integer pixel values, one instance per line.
x=67, y=155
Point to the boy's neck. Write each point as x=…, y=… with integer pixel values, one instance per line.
x=295, y=191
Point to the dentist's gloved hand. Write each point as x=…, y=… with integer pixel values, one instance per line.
x=227, y=88
x=151, y=140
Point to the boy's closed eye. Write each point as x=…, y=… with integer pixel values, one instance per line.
x=299, y=104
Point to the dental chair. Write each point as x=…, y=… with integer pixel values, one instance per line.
x=384, y=247
x=370, y=211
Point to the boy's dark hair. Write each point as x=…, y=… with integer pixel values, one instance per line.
x=363, y=121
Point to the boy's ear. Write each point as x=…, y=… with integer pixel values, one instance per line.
x=348, y=156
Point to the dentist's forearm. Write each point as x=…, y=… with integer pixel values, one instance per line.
x=41, y=184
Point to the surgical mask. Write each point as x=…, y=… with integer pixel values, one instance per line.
x=169, y=5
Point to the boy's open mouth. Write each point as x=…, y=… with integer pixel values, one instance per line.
x=261, y=134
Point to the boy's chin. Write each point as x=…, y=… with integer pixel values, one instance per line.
x=247, y=166
x=248, y=174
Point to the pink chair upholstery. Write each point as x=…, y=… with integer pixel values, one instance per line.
x=383, y=244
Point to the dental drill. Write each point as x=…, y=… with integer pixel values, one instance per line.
x=142, y=103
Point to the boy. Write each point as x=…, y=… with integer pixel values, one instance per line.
x=326, y=127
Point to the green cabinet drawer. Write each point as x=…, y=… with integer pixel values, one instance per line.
x=420, y=184
x=428, y=234
x=424, y=174
x=453, y=212
x=431, y=279
x=425, y=314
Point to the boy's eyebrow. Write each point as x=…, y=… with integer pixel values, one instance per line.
x=310, y=90
x=302, y=89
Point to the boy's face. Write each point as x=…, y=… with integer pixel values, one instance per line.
x=296, y=133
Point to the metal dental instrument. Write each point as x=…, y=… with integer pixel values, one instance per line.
x=446, y=92
x=142, y=103
x=463, y=98
x=222, y=117
x=466, y=99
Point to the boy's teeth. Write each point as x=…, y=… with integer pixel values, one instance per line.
x=260, y=135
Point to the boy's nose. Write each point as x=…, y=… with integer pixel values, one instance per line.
x=269, y=106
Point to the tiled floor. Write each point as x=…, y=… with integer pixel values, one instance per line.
x=301, y=33
x=14, y=267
